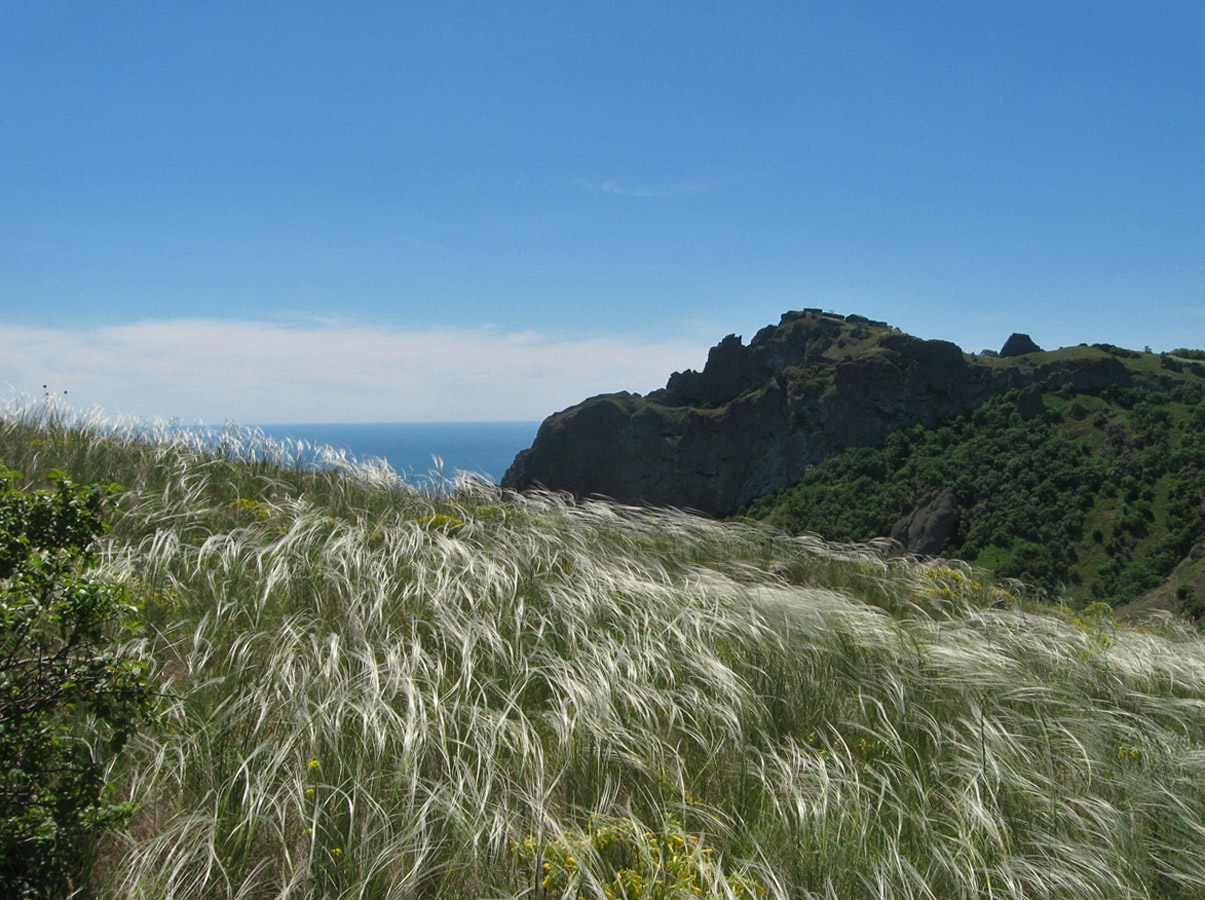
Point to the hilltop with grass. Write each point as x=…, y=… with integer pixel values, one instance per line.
x=366, y=689
x=1079, y=470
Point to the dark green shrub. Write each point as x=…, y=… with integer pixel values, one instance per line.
x=1191, y=605
x=68, y=699
x=1117, y=351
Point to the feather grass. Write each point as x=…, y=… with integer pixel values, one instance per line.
x=377, y=688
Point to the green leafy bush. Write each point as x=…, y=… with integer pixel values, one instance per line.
x=68, y=699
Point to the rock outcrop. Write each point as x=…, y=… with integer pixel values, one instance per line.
x=930, y=525
x=1029, y=404
x=758, y=416
x=1018, y=345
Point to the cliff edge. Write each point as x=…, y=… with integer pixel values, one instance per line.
x=758, y=416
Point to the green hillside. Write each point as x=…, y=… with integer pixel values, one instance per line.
x=372, y=691
x=1091, y=495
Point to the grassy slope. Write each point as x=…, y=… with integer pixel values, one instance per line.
x=380, y=692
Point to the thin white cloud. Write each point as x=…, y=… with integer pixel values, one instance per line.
x=252, y=371
x=683, y=189
x=703, y=184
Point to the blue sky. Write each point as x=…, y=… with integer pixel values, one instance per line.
x=305, y=211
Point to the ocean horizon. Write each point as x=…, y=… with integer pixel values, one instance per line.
x=416, y=449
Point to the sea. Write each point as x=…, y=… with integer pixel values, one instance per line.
x=415, y=449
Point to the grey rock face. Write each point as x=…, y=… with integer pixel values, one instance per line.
x=730, y=370
x=930, y=525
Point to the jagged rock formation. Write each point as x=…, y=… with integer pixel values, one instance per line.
x=758, y=416
x=934, y=521
x=1018, y=345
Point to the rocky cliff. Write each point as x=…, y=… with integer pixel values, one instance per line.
x=758, y=416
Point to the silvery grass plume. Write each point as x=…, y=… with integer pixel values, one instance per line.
x=376, y=689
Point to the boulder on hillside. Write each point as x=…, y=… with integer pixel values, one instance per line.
x=1019, y=345
x=930, y=525
x=1029, y=403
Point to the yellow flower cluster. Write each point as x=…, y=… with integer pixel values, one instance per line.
x=948, y=584
x=61, y=443
x=1098, y=623
x=631, y=863
x=441, y=522
x=252, y=509
x=1129, y=751
x=945, y=573
x=486, y=512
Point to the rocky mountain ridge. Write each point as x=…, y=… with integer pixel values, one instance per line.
x=760, y=415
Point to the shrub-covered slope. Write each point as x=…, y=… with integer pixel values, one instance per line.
x=374, y=691
x=1097, y=495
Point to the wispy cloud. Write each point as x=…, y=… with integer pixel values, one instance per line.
x=679, y=189
x=253, y=371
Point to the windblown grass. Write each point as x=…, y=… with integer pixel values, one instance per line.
x=381, y=690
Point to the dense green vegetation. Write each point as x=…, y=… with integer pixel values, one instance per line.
x=1096, y=498
x=68, y=702
x=376, y=691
